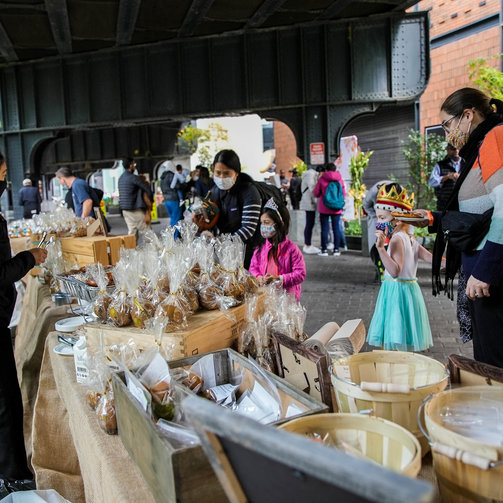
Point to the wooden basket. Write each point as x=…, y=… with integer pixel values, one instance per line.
x=390, y=384
x=468, y=470
x=376, y=439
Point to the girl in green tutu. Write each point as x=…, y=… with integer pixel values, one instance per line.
x=400, y=320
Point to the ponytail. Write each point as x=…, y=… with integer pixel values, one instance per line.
x=497, y=104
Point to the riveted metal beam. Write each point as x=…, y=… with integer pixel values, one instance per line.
x=263, y=13
x=334, y=9
x=126, y=20
x=195, y=14
x=60, y=25
x=6, y=47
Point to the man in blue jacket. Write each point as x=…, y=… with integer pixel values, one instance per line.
x=135, y=199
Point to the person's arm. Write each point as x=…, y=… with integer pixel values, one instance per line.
x=20, y=197
x=298, y=272
x=435, y=180
x=87, y=208
x=424, y=254
x=145, y=187
x=393, y=262
x=15, y=268
x=317, y=189
x=148, y=204
x=250, y=214
x=255, y=263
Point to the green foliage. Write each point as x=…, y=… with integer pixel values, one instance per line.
x=422, y=156
x=353, y=228
x=487, y=78
x=203, y=142
x=301, y=166
x=357, y=166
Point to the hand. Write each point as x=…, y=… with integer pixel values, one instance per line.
x=455, y=176
x=476, y=289
x=39, y=254
x=271, y=278
x=261, y=280
x=148, y=217
x=381, y=239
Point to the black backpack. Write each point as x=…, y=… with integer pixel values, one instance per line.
x=267, y=191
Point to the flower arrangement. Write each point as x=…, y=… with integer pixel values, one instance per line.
x=357, y=166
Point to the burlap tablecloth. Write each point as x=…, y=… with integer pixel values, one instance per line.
x=37, y=319
x=71, y=453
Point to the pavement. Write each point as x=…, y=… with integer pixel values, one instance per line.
x=344, y=288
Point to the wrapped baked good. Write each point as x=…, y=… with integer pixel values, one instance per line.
x=105, y=411
x=101, y=278
x=230, y=256
x=119, y=309
x=175, y=308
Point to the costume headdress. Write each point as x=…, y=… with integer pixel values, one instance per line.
x=393, y=201
x=271, y=204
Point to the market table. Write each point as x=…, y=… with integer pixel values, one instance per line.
x=38, y=316
x=71, y=453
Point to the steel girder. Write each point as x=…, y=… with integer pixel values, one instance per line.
x=314, y=77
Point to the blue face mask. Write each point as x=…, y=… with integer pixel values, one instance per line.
x=382, y=226
x=267, y=231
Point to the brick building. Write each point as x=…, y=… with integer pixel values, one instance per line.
x=460, y=30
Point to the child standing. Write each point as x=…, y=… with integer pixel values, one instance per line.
x=400, y=320
x=277, y=258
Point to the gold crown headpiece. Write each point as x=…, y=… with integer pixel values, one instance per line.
x=392, y=200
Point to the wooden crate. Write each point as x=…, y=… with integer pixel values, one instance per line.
x=207, y=331
x=172, y=475
x=87, y=250
x=185, y=475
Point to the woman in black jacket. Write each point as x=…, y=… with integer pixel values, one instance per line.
x=13, y=466
x=238, y=200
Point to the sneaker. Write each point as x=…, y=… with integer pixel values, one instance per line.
x=337, y=253
x=345, y=248
x=330, y=246
x=311, y=250
x=322, y=253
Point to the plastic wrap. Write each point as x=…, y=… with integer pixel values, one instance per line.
x=103, y=299
x=105, y=411
x=119, y=309
x=142, y=308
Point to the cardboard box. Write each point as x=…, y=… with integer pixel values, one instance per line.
x=207, y=331
x=87, y=250
x=185, y=475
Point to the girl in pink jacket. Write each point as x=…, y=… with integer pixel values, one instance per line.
x=277, y=258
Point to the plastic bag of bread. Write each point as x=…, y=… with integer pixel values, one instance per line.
x=103, y=299
x=142, y=308
x=96, y=382
x=208, y=291
x=230, y=255
x=175, y=308
x=119, y=309
x=105, y=411
x=155, y=376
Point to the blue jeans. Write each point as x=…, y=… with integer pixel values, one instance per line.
x=324, y=219
x=174, y=211
x=308, y=229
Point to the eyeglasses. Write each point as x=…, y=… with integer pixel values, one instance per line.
x=445, y=123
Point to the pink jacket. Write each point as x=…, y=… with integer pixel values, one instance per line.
x=321, y=188
x=291, y=265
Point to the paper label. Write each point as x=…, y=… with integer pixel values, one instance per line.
x=343, y=372
x=137, y=390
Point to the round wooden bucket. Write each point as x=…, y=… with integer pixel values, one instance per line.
x=468, y=463
x=388, y=384
x=373, y=438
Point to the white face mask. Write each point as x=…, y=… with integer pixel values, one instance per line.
x=224, y=183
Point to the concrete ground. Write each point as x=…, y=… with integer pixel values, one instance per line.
x=343, y=288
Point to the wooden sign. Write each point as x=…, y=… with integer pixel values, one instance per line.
x=305, y=368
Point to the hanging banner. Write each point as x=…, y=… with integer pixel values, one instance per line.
x=317, y=153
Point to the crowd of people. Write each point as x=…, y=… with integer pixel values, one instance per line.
x=469, y=187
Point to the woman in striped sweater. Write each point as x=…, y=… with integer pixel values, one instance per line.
x=473, y=123
x=238, y=199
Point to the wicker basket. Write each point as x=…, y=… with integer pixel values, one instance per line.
x=468, y=469
x=373, y=438
x=390, y=384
